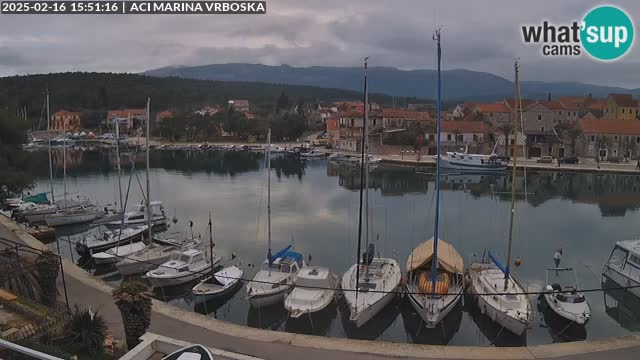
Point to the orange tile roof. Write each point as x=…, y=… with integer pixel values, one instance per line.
x=610, y=126
x=66, y=113
x=624, y=100
x=464, y=127
x=405, y=114
x=525, y=103
x=493, y=107
x=552, y=105
x=126, y=112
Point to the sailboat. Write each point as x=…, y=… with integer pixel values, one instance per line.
x=372, y=282
x=435, y=269
x=278, y=272
x=219, y=283
x=499, y=295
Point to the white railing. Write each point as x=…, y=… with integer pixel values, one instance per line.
x=27, y=351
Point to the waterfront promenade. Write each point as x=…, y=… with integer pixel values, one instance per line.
x=167, y=320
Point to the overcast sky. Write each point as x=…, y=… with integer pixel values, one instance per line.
x=477, y=35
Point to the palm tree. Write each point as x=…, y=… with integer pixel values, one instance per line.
x=133, y=298
x=48, y=266
x=85, y=331
x=506, y=129
x=18, y=276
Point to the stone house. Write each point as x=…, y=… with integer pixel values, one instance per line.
x=621, y=106
x=609, y=138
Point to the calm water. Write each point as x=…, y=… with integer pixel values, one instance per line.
x=315, y=206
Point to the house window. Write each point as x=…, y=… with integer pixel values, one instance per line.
x=615, y=152
x=593, y=138
x=475, y=137
x=542, y=128
x=559, y=112
x=433, y=137
x=374, y=122
x=638, y=139
x=615, y=138
x=539, y=117
x=623, y=111
x=449, y=137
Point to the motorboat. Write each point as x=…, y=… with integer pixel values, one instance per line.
x=315, y=289
x=475, y=162
x=192, y=352
x=77, y=215
x=218, y=285
x=623, y=266
x=109, y=239
x=275, y=278
x=138, y=216
x=113, y=255
x=152, y=255
x=434, y=300
x=566, y=301
x=183, y=267
x=500, y=299
x=369, y=286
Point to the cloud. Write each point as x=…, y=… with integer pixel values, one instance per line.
x=480, y=35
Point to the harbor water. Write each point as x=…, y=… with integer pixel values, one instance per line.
x=315, y=208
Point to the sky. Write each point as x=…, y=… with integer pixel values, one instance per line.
x=477, y=35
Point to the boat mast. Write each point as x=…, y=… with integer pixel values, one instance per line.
x=118, y=162
x=64, y=162
x=211, y=245
x=513, y=175
x=362, y=180
x=434, y=271
x=150, y=237
x=366, y=169
x=269, y=199
x=53, y=198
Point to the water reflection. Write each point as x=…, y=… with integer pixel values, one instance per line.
x=621, y=306
x=316, y=204
x=440, y=335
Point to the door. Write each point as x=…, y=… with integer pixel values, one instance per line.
x=535, y=152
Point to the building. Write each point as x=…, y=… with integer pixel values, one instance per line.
x=394, y=119
x=333, y=130
x=129, y=119
x=459, y=134
x=609, y=138
x=501, y=146
x=65, y=120
x=207, y=110
x=164, y=115
x=497, y=113
x=621, y=106
x=540, y=122
x=349, y=106
x=239, y=105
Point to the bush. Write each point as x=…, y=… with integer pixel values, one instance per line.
x=84, y=332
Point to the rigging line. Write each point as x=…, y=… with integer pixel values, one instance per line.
x=397, y=292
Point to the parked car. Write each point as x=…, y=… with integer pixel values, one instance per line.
x=569, y=160
x=545, y=160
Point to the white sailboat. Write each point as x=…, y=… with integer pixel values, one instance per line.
x=278, y=272
x=371, y=283
x=435, y=269
x=499, y=295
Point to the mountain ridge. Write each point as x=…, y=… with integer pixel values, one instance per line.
x=457, y=83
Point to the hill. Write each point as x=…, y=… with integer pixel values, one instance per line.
x=457, y=84
x=103, y=91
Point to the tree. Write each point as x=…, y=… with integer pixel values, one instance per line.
x=133, y=299
x=17, y=277
x=283, y=102
x=573, y=133
x=506, y=130
x=602, y=142
x=48, y=267
x=14, y=164
x=85, y=331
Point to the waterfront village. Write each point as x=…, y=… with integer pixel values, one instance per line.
x=606, y=129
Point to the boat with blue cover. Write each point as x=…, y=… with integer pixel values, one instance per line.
x=275, y=279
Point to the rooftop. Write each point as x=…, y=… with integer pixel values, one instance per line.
x=625, y=100
x=492, y=107
x=610, y=126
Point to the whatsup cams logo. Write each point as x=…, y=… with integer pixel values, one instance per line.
x=605, y=33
